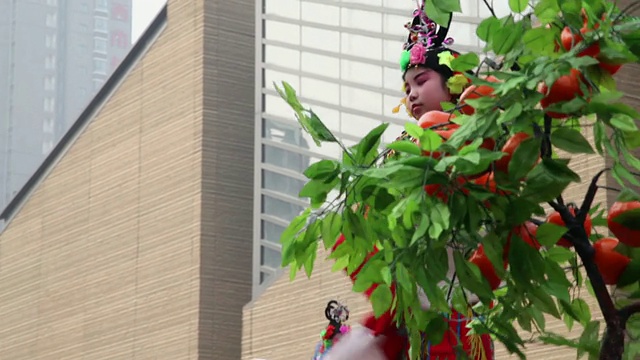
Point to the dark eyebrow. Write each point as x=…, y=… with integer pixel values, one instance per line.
x=425, y=71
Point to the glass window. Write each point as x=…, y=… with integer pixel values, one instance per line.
x=363, y=100
x=50, y=41
x=49, y=104
x=361, y=19
x=280, y=56
x=357, y=125
x=280, y=31
x=271, y=232
x=328, y=40
x=47, y=125
x=274, y=105
x=50, y=62
x=97, y=84
x=101, y=24
x=100, y=45
x=49, y=83
x=51, y=20
x=464, y=34
x=362, y=73
x=281, y=209
x=270, y=257
x=286, y=8
x=321, y=13
x=362, y=46
x=392, y=50
x=100, y=66
x=271, y=76
x=102, y=5
x=285, y=158
x=281, y=183
x=328, y=92
x=394, y=25
x=47, y=145
x=321, y=65
x=393, y=79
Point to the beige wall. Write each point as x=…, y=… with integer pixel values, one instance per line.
x=129, y=248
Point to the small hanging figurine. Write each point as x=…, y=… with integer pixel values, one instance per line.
x=337, y=314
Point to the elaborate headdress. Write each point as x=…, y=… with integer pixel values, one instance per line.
x=425, y=41
x=337, y=314
x=427, y=45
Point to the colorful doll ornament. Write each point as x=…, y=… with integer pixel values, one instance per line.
x=428, y=80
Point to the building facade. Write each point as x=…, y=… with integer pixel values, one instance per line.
x=132, y=239
x=54, y=56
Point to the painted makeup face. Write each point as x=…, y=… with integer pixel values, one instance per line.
x=425, y=90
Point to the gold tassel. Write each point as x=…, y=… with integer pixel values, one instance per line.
x=478, y=352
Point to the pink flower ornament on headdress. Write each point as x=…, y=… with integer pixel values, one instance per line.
x=418, y=54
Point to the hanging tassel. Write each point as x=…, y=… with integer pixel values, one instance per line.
x=478, y=352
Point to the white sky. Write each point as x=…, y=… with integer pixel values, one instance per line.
x=144, y=11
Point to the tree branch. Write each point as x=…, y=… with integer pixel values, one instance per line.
x=626, y=312
x=490, y=8
x=588, y=198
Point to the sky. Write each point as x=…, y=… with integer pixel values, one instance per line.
x=144, y=11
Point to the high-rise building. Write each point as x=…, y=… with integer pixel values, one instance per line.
x=54, y=56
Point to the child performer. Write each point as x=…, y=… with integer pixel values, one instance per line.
x=428, y=81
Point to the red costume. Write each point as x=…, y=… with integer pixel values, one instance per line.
x=396, y=344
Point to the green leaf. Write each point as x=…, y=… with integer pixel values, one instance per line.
x=371, y=140
x=518, y=6
x=322, y=169
x=470, y=277
x=413, y=129
x=441, y=17
x=449, y=6
x=311, y=259
x=331, y=225
x=571, y=140
x=405, y=147
x=465, y=62
x=630, y=219
x=524, y=158
x=402, y=277
x=430, y=140
x=620, y=173
x=560, y=254
x=381, y=299
x=548, y=234
x=582, y=311
x=623, y=122
x=546, y=10
x=589, y=340
x=559, y=170
x=544, y=302
x=539, y=40
x=289, y=95
x=505, y=39
x=436, y=328
x=487, y=29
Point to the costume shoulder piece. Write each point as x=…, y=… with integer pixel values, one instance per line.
x=337, y=314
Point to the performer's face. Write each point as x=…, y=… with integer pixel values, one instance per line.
x=425, y=90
